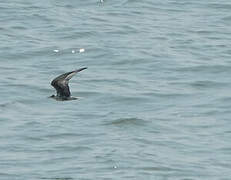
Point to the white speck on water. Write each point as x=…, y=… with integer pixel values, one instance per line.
x=115, y=167
x=73, y=51
x=56, y=50
x=81, y=50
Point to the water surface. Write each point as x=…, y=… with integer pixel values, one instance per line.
x=154, y=102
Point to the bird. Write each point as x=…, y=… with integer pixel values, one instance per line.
x=60, y=83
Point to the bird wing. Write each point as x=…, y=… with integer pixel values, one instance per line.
x=60, y=83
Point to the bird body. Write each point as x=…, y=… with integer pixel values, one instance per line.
x=60, y=83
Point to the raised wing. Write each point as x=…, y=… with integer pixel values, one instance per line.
x=60, y=83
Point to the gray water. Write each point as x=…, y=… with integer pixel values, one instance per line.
x=154, y=103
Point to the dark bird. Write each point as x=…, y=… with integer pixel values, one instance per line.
x=60, y=83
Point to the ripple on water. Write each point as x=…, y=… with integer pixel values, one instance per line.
x=207, y=84
x=205, y=68
x=57, y=178
x=127, y=122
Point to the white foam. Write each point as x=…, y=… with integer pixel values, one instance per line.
x=73, y=51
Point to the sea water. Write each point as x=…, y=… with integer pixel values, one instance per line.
x=154, y=103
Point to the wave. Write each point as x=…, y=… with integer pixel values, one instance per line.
x=127, y=122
